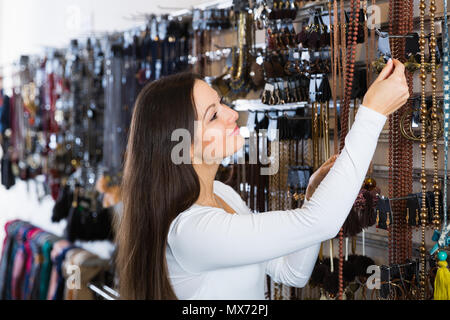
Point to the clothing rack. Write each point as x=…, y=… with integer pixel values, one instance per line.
x=289, y=117
x=398, y=265
x=104, y=291
x=397, y=199
x=204, y=6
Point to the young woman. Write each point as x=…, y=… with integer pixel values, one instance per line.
x=183, y=235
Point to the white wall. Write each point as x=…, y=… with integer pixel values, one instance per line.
x=26, y=26
x=1, y=33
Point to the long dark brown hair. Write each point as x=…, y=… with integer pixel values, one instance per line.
x=154, y=189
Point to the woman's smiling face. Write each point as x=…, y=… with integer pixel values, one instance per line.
x=217, y=135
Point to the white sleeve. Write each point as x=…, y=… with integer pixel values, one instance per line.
x=295, y=269
x=208, y=239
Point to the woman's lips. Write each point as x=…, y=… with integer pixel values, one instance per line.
x=236, y=131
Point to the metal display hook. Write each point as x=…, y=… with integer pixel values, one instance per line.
x=381, y=35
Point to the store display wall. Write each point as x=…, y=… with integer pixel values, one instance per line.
x=21, y=200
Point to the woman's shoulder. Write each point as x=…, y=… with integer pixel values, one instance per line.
x=226, y=191
x=195, y=211
x=219, y=185
x=193, y=216
x=231, y=196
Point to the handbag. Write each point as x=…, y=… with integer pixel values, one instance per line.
x=8, y=179
x=87, y=224
x=63, y=204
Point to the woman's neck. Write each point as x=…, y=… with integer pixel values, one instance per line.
x=206, y=174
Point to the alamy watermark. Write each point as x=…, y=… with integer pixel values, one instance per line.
x=206, y=151
x=374, y=280
x=373, y=17
x=73, y=281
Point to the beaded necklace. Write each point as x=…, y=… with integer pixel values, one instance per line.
x=434, y=117
x=443, y=237
x=345, y=112
x=446, y=105
x=423, y=147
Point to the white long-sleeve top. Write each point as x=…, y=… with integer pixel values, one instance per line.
x=215, y=255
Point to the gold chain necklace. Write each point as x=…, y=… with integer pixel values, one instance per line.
x=423, y=147
x=434, y=117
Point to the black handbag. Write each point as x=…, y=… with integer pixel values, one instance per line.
x=8, y=179
x=85, y=224
x=63, y=204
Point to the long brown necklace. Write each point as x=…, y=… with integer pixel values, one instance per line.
x=409, y=143
x=367, y=44
x=345, y=112
x=373, y=45
x=393, y=146
x=434, y=116
x=400, y=148
x=335, y=58
x=423, y=147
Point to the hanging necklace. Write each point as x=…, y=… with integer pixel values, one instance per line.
x=409, y=145
x=349, y=75
x=446, y=106
x=423, y=147
x=397, y=149
x=405, y=145
x=335, y=57
x=434, y=116
x=443, y=237
x=366, y=43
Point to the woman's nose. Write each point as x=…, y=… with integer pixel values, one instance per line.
x=231, y=115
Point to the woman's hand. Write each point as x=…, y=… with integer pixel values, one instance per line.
x=318, y=176
x=389, y=91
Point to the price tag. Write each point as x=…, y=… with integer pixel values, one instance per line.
x=306, y=56
x=269, y=87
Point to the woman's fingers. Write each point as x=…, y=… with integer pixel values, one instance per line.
x=399, y=68
x=386, y=72
x=399, y=73
x=388, y=95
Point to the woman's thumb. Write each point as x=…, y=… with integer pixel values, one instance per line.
x=399, y=68
x=386, y=72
